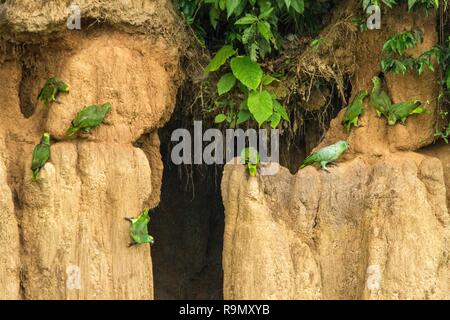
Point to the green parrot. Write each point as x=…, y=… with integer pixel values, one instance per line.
x=326, y=155
x=89, y=118
x=401, y=111
x=379, y=98
x=41, y=155
x=251, y=158
x=354, y=110
x=139, y=230
x=51, y=88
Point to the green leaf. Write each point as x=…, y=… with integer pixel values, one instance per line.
x=280, y=109
x=298, y=5
x=264, y=30
x=447, y=80
x=231, y=6
x=411, y=4
x=248, y=19
x=260, y=105
x=226, y=83
x=288, y=3
x=266, y=13
x=220, y=118
x=214, y=15
x=249, y=73
x=275, y=120
x=243, y=115
x=267, y=79
x=219, y=59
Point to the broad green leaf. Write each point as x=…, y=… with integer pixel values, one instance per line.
x=231, y=6
x=260, y=105
x=226, y=83
x=243, y=115
x=219, y=59
x=220, y=118
x=264, y=30
x=248, y=19
x=288, y=3
x=275, y=120
x=222, y=4
x=298, y=5
x=249, y=73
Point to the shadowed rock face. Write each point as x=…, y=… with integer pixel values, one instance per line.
x=370, y=229
x=64, y=237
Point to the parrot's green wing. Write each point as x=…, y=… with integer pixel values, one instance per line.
x=381, y=102
x=251, y=158
x=354, y=110
x=311, y=159
x=50, y=89
x=139, y=228
x=89, y=118
x=41, y=155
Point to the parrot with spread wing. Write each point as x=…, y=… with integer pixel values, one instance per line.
x=139, y=229
x=379, y=98
x=251, y=158
x=326, y=155
x=401, y=111
x=354, y=110
x=89, y=118
x=51, y=89
x=41, y=154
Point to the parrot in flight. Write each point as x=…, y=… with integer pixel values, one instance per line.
x=326, y=155
x=139, y=230
x=251, y=158
x=401, y=111
x=89, y=118
x=41, y=155
x=51, y=88
x=354, y=110
x=379, y=98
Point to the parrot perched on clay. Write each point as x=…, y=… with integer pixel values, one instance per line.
x=89, y=118
x=51, y=88
x=139, y=230
x=379, y=98
x=326, y=155
x=401, y=111
x=251, y=158
x=41, y=155
x=354, y=110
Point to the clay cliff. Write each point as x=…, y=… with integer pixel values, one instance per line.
x=376, y=226
x=64, y=237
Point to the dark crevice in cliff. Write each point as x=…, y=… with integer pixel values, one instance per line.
x=188, y=227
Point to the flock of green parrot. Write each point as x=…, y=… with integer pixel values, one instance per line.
x=87, y=119
x=384, y=107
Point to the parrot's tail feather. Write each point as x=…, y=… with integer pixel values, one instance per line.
x=35, y=175
x=71, y=131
